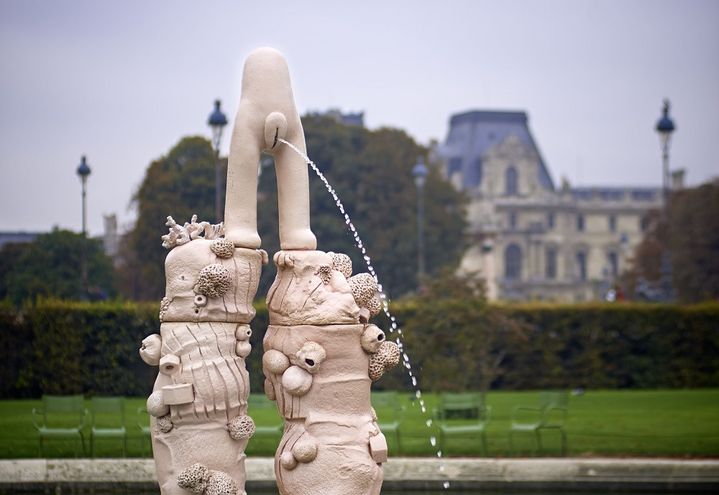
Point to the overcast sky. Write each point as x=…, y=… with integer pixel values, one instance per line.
x=123, y=81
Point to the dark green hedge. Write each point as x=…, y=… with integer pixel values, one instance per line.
x=70, y=347
x=562, y=346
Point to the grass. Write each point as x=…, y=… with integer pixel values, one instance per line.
x=675, y=423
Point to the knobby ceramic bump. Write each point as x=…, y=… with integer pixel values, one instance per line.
x=321, y=352
x=198, y=406
x=321, y=355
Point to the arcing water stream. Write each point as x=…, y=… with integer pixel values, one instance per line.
x=394, y=328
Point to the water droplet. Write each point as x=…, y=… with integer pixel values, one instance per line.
x=428, y=423
x=433, y=441
x=414, y=382
x=446, y=483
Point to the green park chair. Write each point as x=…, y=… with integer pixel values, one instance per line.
x=108, y=421
x=264, y=407
x=62, y=417
x=389, y=415
x=461, y=415
x=550, y=415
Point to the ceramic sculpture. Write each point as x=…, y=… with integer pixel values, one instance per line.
x=321, y=352
x=198, y=406
x=321, y=355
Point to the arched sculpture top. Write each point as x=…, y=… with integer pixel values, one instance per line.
x=267, y=112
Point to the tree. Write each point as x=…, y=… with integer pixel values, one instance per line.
x=456, y=336
x=682, y=240
x=372, y=174
x=51, y=266
x=371, y=171
x=180, y=184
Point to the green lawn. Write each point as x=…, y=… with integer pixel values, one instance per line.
x=678, y=423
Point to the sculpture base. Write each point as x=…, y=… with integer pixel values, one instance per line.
x=329, y=420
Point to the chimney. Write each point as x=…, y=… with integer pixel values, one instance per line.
x=678, y=178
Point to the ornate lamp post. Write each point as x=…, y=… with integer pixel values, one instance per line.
x=419, y=172
x=217, y=122
x=83, y=171
x=665, y=127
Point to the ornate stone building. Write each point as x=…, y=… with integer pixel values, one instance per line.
x=530, y=239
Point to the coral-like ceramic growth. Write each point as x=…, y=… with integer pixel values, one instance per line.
x=182, y=234
x=194, y=478
x=342, y=263
x=366, y=294
x=364, y=287
x=387, y=357
x=221, y=483
x=223, y=248
x=241, y=427
x=214, y=280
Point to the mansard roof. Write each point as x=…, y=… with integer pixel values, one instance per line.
x=616, y=193
x=489, y=128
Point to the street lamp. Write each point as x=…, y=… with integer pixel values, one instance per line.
x=217, y=122
x=665, y=127
x=419, y=172
x=83, y=171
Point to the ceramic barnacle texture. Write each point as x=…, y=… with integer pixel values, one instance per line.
x=317, y=360
x=202, y=286
x=332, y=419
x=200, y=396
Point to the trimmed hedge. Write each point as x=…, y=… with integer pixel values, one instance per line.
x=566, y=346
x=71, y=347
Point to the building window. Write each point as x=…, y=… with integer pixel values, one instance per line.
x=550, y=269
x=511, y=182
x=455, y=165
x=513, y=262
x=612, y=223
x=512, y=220
x=550, y=220
x=644, y=222
x=613, y=261
x=580, y=223
x=478, y=172
x=582, y=265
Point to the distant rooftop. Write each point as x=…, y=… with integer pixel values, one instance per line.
x=356, y=119
x=17, y=237
x=616, y=193
x=473, y=133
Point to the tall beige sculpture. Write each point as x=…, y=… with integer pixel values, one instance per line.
x=321, y=353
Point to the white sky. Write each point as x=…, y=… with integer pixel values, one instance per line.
x=123, y=81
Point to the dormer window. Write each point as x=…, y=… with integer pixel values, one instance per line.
x=511, y=182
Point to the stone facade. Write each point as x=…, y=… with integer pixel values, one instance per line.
x=529, y=239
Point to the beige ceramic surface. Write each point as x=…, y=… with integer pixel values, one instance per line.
x=267, y=110
x=321, y=352
x=319, y=362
